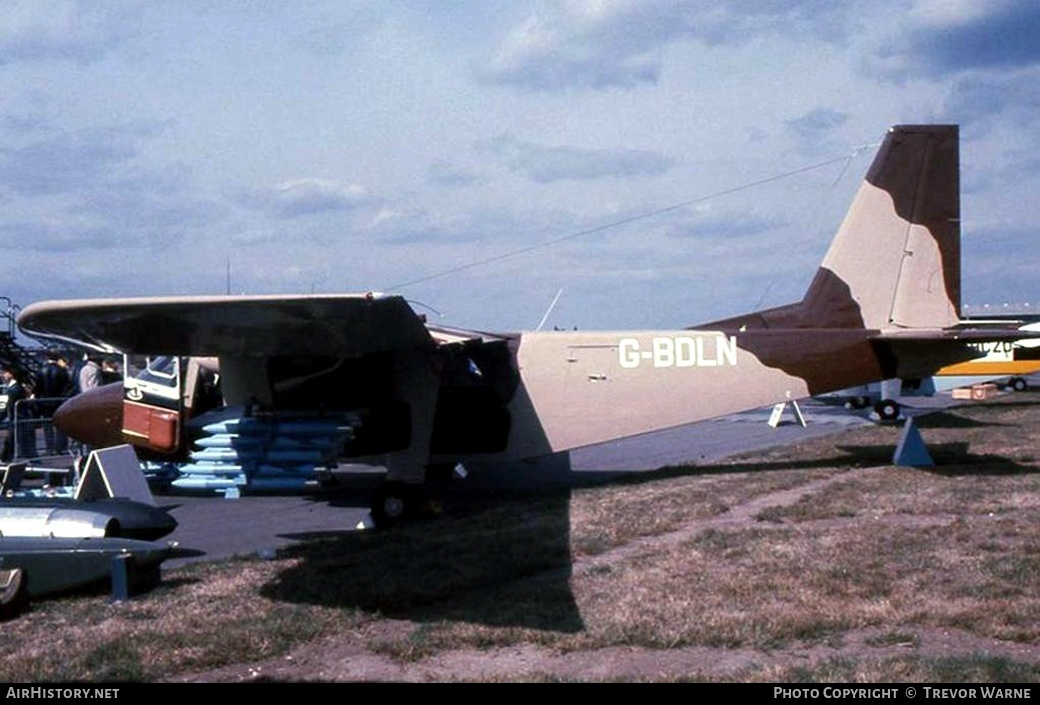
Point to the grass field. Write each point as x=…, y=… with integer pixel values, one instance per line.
x=811, y=562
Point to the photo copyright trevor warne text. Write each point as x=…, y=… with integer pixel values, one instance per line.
x=925, y=692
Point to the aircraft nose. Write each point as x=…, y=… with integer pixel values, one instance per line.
x=94, y=417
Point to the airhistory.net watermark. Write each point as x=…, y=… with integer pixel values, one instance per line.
x=47, y=693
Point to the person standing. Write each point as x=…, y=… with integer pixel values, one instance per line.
x=85, y=377
x=15, y=415
x=52, y=387
x=89, y=375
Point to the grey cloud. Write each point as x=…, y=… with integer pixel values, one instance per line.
x=816, y=121
x=86, y=190
x=593, y=45
x=546, y=164
x=56, y=239
x=304, y=197
x=103, y=221
x=978, y=96
x=338, y=29
x=444, y=174
x=69, y=30
x=725, y=225
x=1004, y=36
x=23, y=124
x=422, y=226
x=818, y=132
x=68, y=161
x=998, y=252
x=552, y=72
x=981, y=37
x=158, y=217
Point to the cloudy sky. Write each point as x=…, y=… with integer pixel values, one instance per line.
x=662, y=162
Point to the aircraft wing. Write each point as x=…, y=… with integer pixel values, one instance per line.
x=344, y=325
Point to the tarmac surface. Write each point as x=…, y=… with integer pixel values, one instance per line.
x=214, y=528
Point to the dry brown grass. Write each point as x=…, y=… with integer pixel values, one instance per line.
x=818, y=561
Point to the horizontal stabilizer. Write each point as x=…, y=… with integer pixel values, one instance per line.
x=967, y=335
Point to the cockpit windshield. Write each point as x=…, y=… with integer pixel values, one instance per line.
x=161, y=370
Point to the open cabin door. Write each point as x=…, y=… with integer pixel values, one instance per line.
x=152, y=402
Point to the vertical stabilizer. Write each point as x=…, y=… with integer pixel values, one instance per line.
x=895, y=261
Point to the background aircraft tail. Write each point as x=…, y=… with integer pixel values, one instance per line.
x=895, y=261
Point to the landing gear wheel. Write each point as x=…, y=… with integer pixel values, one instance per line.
x=1019, y=384
x=887, y=409
x=393, y=502
x=858, y=401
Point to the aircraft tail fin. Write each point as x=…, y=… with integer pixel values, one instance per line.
x=894, y=263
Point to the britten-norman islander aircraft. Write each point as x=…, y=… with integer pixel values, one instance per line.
x=365, y=379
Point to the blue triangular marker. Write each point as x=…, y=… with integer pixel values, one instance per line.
x=911, y=450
